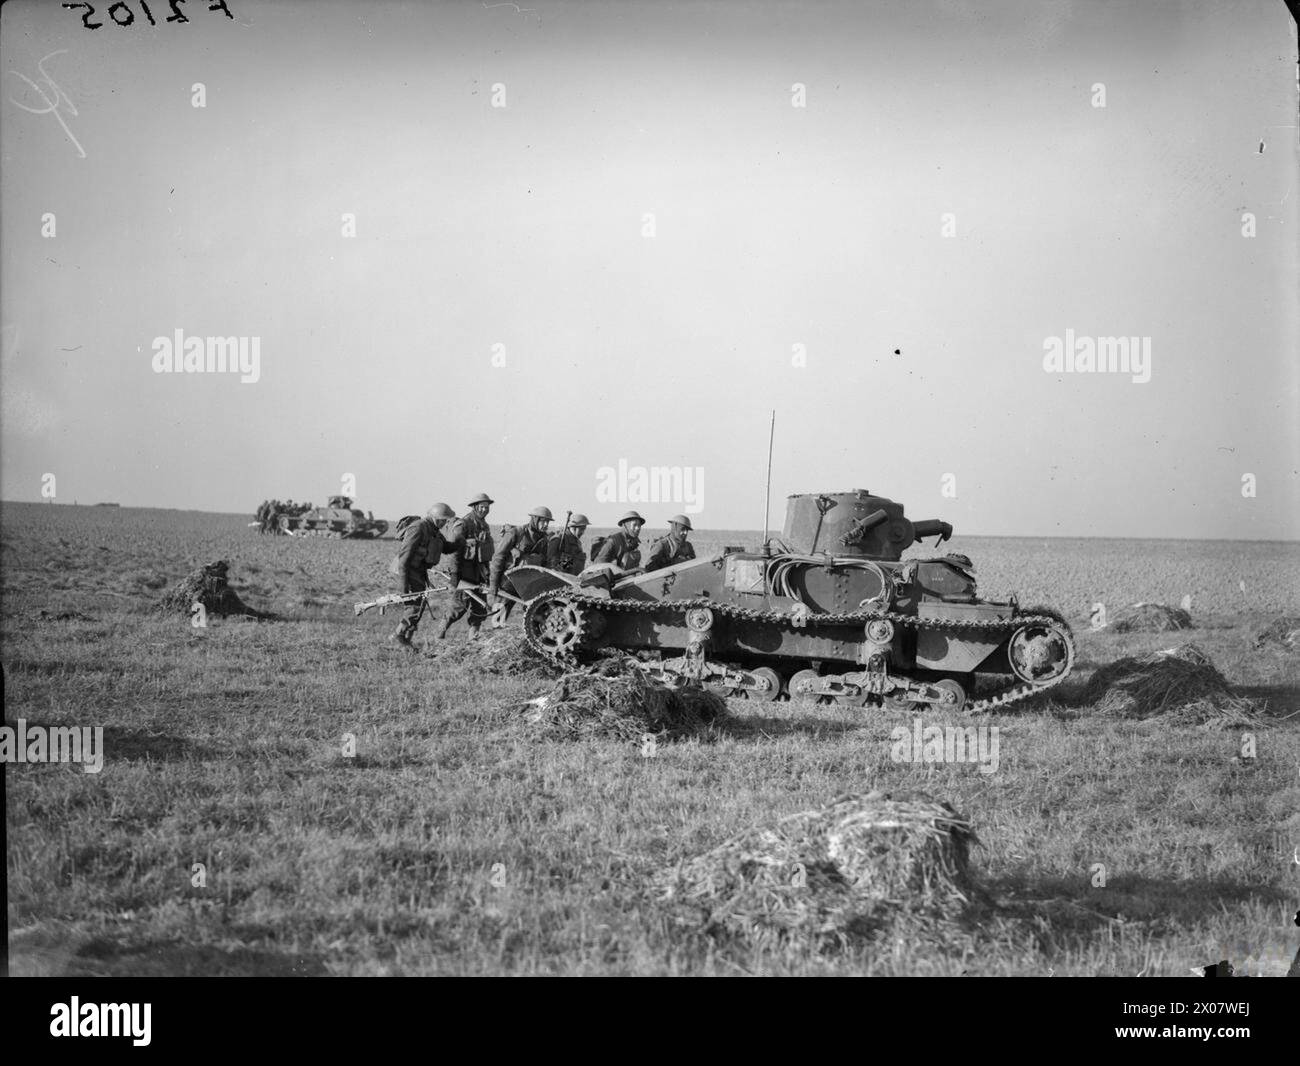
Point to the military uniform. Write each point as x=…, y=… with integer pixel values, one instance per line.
x=520, y=546
x=620, y=548
x=669, y=551
x=564, y=553
x=469, y=552
x=421, y=550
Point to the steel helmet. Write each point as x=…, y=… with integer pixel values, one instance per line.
x=542, y=512
x=482, y=497
x=681, y=520
x=631, y=516
x=440, y=510
x=579, y=520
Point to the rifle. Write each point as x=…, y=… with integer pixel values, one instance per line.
x=397, y=599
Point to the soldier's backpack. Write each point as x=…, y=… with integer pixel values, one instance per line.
x=595, y=547
x=403, y=522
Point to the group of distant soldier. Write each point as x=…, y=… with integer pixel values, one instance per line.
x=269, y=511
x=475, y=565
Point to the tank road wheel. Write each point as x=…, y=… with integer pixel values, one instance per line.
x=954, y=696
x=771, y=688
x=555, y=627
x=801, y=687
x=1040, y=652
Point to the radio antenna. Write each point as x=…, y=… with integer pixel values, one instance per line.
x=767, y=500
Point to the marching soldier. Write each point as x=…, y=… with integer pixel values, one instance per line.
x=421, y=549
x=520, y=545
x=623, y=548
x=564, y=549
x=468, y=556
x=674, y=548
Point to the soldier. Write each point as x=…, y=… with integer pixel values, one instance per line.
x=520, y=545
x=623, y=548
x=564, y=549
x=421, y=550
x=468, y=555
x=262, y=509
x=674, y=548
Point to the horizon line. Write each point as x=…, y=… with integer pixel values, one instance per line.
x=725, y=529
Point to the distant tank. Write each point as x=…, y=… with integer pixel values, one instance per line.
x=338, y=519
x=827, y=613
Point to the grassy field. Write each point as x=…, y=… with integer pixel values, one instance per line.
x=456, y=841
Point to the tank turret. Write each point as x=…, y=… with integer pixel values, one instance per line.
x=855, y=524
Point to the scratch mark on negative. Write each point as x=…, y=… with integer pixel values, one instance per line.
x=53, y=105
x=518, y=10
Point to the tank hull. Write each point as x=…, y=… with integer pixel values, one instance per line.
x=849, y=628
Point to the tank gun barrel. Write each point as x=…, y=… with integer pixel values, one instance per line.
x=932, y=527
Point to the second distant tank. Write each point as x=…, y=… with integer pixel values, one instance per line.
x=337, y=519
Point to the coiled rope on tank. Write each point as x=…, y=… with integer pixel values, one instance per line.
x=784, y=567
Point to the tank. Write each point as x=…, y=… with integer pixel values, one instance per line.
x=827, y=612
x=338, y=519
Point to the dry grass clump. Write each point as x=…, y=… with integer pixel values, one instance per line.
x=616, y=699
x=1284, y=632
x=1180, y=684
x=1152, y=618
x=208, y=585
x=847, y=869
x=507, y=653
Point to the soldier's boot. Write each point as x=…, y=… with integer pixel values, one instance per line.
x=402, y=635
x=475, y=631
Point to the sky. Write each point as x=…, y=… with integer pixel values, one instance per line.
x=503, y=248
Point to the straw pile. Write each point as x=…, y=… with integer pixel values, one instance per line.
x=615, y=699
x=208, y=585
x=1284, y=632
x=1152, y=618
x=846, y=870
x=507, y=653
x=1180, y=684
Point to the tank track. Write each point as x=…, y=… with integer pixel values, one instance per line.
x=989, y=702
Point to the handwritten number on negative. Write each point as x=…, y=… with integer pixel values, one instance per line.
x=127, y=17
x=85, y=19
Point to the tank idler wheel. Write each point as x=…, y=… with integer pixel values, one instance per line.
x=770, y=681
x=800, y=687
x=1040, y=652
